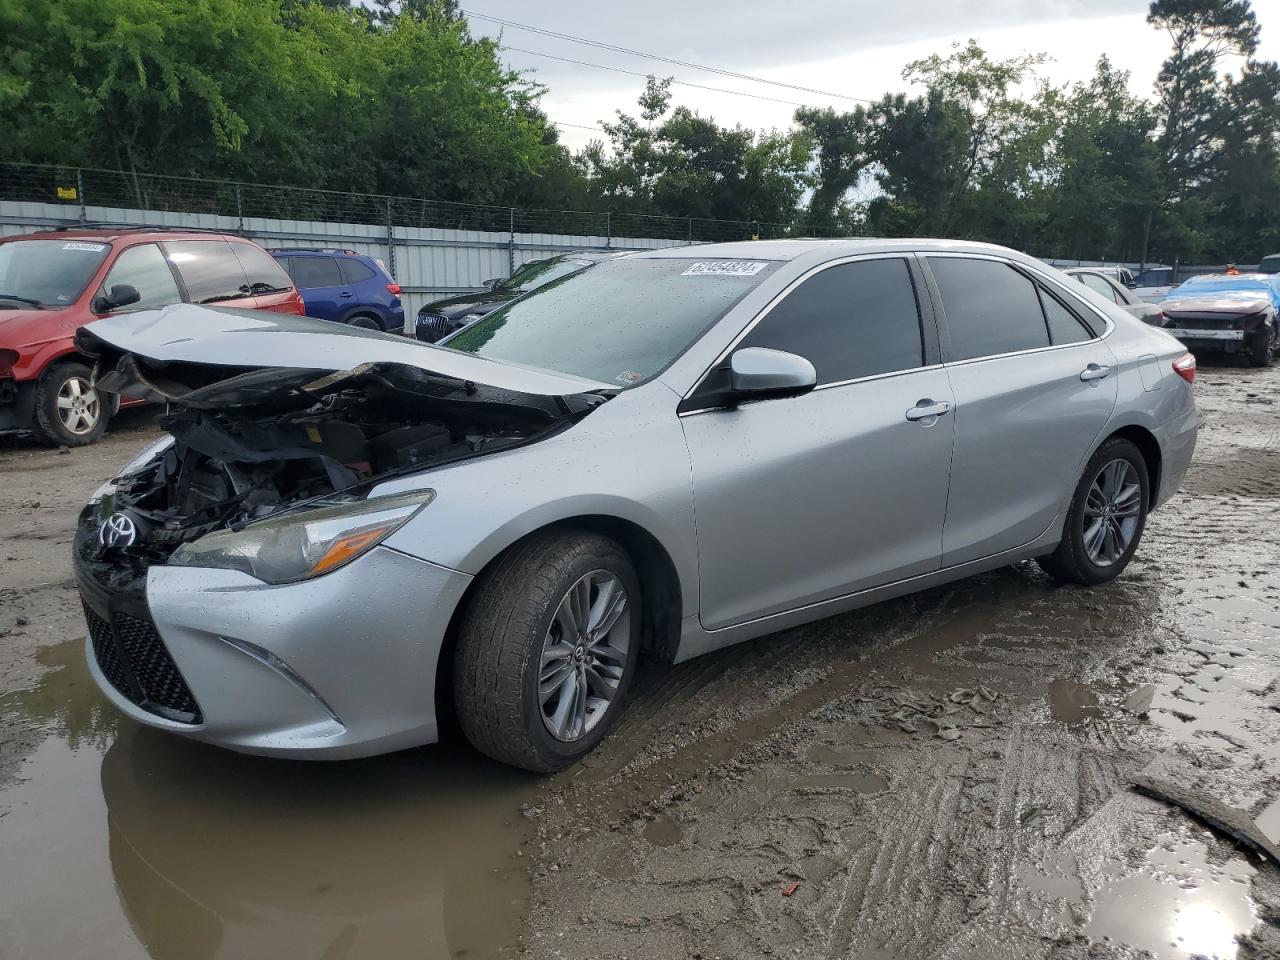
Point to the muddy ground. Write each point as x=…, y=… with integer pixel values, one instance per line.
x=949, y=775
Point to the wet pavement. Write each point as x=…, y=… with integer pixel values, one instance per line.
x=948, y=775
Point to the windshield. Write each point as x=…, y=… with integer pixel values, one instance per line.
x=533, y=275
x=622, y=321
x=47, y=273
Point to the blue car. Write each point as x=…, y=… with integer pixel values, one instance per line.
x=345, y=287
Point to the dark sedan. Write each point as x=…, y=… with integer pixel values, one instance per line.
x=440, y=318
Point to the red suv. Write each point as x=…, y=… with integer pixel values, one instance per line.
x=51, y=283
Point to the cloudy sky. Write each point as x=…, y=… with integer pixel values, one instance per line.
x=856, y=48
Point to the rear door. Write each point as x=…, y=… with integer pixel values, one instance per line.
x=1034, y=388
x=324, y=291
x=210, y=272
x=805, y=499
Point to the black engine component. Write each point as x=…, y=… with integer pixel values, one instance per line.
x=406, y=445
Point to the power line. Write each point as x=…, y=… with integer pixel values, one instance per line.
x=653, y=56
x=637, y=73
x=579, y=126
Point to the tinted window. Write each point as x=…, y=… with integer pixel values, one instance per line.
x=1155, y=278
x=1064, y=326
x=144, y=267
x=989, y=306
x=210, y=270
x=1096, y=283
x=353, y=271
x=260, y=268
x=852, y=320
x=311, y=272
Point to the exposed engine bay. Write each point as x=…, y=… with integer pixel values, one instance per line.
x=259, y=442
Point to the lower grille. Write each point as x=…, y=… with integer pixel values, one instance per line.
x=432, y=326
x=135, y=661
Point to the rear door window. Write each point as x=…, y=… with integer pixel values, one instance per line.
x=1098, y=285
x=262, y=271
x=990, y=308
x=353, y=271
x=312, y=272
x=144, y=268
x=210, y=270
x=852, y=320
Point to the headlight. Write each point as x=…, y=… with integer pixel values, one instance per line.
x=305, y=544
x=143, y=458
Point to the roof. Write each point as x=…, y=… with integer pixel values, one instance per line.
x=110, y=233
x=840, y=247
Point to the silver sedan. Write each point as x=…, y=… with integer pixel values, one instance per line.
x=344, y=532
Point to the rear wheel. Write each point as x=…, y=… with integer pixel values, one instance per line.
x=1106, y=518
x=364, y=322
x=546, y=650
x=69, y=411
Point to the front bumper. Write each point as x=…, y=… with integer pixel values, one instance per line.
x=340, y=666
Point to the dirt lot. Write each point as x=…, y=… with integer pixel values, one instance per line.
x=950, y=775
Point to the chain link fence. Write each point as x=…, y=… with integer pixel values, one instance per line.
x=78, y=188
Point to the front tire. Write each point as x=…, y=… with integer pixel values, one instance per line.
x=546, y=650
x=1107, y=516
x=1261, y=348
x=69, y=411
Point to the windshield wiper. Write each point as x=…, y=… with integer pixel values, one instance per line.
x=11, y=296
x=226, y=296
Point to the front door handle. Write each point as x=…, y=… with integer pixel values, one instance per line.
x=1094, y=372
x=928, y=410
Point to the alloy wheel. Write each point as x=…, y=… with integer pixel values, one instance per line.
x=584, y=656
x=79, y=405
x=1112, y=512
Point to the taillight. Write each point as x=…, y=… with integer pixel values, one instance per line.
x=393, y=289
x=1185, y=367
x=7, y=359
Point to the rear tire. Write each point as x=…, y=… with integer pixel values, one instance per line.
x=69, y=412
x=521, y=658
x=1104, y=526
x=365, y=322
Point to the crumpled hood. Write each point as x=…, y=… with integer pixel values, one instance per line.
x=1217, y=301
x=290, y=347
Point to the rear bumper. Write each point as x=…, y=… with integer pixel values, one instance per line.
x=336, y=667
x=1177, y=440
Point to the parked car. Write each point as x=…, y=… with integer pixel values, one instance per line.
x=1107, y=287
x=508, y=522
x=1270, y=264
x=345, y=287
x=1154, y=283
x=1237, y=314
x=53, y=282
x=440, y=318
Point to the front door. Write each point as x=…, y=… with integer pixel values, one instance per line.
x=805, y=499
x=1034, y=388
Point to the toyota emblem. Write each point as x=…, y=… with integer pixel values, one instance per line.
x=117, y=531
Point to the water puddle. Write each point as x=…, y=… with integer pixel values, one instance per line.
x=132, y=843
x=1071, y=702
x=1180, y=906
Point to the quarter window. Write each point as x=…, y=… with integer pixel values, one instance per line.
x=353, y=271
x=311, y=272
x=990, y=308
x=210, y=270
x=852, y=320
x=262, y=271
x=1064, y=326
x=144, y=268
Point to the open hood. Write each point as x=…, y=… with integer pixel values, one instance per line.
x=273, y=351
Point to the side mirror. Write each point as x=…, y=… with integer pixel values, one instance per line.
x=758, y=373
x=121, y=295
x=491, y=284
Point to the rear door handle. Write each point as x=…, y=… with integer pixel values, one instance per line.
x=928, y=410
x=1094, y=372
x=345, y=293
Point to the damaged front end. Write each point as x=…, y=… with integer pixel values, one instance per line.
x=274, y=470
